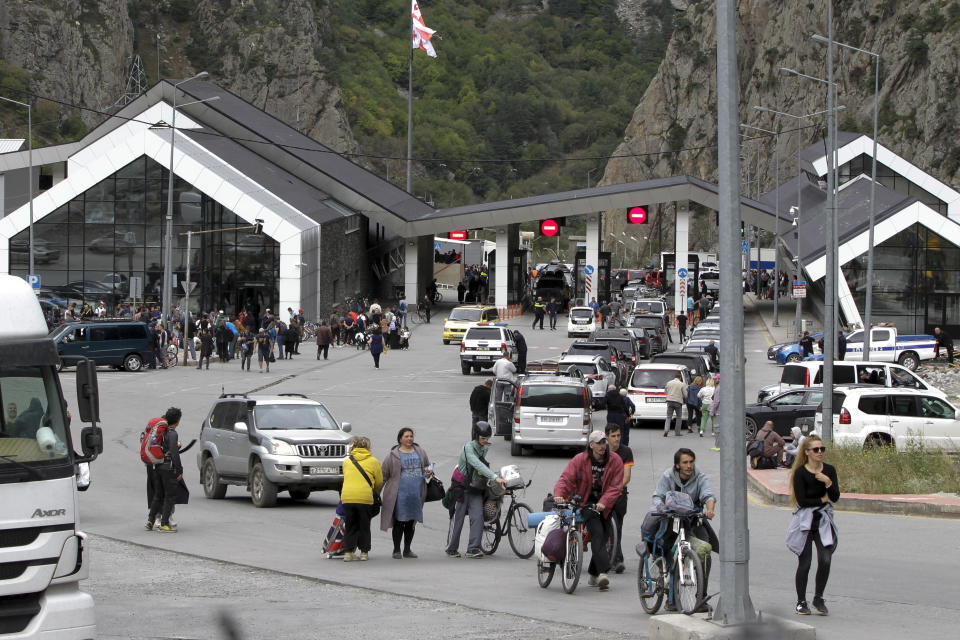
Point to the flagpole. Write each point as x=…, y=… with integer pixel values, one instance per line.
x=410, y=110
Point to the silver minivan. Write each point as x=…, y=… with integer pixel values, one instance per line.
x=551, y=411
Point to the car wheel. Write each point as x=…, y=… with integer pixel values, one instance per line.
x=59, y=364
x=794, y=357
x=477, y=368
x=876, y=440
x=262, y=491
x=465, y=368
x=909, y=360
x=446, y=342
x=299, y=494
x=515, y=449
x=133, y=362
x=750, y=429
x=212, y=487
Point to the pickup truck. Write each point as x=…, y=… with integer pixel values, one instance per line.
x=887, y=346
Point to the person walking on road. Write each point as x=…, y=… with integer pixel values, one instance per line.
x=553, y=307
x=469, y=499
x=616, y=409
x=479, y=402
x=264, y=349
x=324, y=339
x=375, y=340
x=245, y=345
x=165, y=476
x=614, y=441
x=682, y=327
x=206, y=348
x=521, y=343
x=504, y=369
x=405, y=471
x=538, y=312
x=362, y=477
x=694, y=405
x=706, y=401
x=813, y=487
x=676, y=391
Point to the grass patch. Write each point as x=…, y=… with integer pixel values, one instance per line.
x=917, y=469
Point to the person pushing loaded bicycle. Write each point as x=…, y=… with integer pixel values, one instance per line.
x=597, y=475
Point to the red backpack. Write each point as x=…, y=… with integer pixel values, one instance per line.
x=151, y=441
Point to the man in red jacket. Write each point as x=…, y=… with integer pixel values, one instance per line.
x=597, y=476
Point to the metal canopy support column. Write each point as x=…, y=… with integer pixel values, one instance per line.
x=593, y=258
x=734, y=605
x=682, y=250
x=501, y=289
x=410, y=272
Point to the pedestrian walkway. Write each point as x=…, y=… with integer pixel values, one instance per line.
x=787, y=314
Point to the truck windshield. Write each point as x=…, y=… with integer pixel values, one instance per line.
x=33, y=431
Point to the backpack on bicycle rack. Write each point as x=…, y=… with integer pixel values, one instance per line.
x=553, y=548
x=548, y=524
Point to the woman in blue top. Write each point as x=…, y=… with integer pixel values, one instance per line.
x=376, y=345
x=405, y=472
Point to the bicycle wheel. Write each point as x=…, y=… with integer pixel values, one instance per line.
x=521, y=535
x=650, y=582
x=611, y=545
x=173, y=361
x=545, y=573
x=688, y=580
x=573, y=562
x=172, y=350
x=492, y=532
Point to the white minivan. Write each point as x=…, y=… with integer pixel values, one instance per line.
x=581, y=321
x=647, y=390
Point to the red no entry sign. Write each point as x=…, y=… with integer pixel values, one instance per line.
x=637, y=215
x=458, y=235
x=549, y=228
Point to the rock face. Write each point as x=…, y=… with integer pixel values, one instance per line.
x=80, y=51
x=673, y=130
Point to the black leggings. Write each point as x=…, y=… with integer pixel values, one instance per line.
x=824, y=554
x=403, y=530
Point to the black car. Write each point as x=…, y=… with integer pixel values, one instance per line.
x=784, y=409
x=625, y=342
x=608, y=351
x=650, y=320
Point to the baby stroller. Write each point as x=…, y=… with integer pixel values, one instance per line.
x=333, y=544
x=360, y=340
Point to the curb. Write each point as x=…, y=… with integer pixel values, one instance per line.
x=902, y=505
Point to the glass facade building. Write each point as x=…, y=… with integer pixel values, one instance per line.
x=890, y=179
x=112, y=236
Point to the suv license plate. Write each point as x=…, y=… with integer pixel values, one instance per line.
x=323, y=471
x=656, y=399
x=552, y=419
x=484, y=357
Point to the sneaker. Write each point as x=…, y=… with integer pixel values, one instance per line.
x=714, y=448
x=149, y=525
x=820, y=606
x=349, y=557
x=619, y=568
x=167, y=528
x=397, y=556
x=474, y=554
x=592, y=581
x=802, y=608
x=364, y=556
x=410, y=554
x=603, y=582
x=665, y=434
x=453, y=554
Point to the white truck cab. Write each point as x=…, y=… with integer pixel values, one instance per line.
x=886, y=345
x=42, y=553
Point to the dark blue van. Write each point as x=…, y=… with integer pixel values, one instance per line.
x=120, y=343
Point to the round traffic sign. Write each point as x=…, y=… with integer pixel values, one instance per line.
x=681, y=272
x=588, y=269
x=637, y=215
x=549, y=228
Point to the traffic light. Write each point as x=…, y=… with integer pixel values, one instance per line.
x=637, y=215
x=742, y=232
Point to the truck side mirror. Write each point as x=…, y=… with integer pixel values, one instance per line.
x=91, y=441
x=88, y=397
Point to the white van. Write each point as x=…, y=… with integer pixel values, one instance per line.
x=647, y=390
x=581, y=321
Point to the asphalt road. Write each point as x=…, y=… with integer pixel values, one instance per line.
x=891, y=575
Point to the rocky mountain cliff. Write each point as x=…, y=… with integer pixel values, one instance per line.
x=80, y=52
x=673, y=130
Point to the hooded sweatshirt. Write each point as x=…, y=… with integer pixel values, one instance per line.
x=696, y=486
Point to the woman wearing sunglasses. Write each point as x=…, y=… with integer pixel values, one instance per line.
x=813, y=487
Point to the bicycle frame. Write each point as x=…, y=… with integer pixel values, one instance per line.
x=681, y=543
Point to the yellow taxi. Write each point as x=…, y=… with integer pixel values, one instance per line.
x=464, y=317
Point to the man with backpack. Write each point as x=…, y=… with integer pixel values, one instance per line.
x=766, y=450
x=160, y=451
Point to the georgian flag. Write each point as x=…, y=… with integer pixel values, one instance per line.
x=421, y=32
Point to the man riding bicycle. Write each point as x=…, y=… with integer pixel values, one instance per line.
x=596, y=475
x=684, y=477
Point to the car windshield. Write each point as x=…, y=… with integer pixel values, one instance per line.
x=648, y=307
x=624, y=345
x=585, y=368
x=483, y=333
x=646, y=321
x=582, y=313
x=591, y=349
x=465, y=315
x=294, y=416
x=34, y=443
x=544, y=396
x=710, y=276
x=652, y=378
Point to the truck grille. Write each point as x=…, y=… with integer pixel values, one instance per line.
x=321, y=450
x=16, y=612
x=26, y=535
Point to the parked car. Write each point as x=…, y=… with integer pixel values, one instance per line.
x=597, y=372
x=647, y=390
x=581, y=321
x=870, y=416
x=712, y=281
x=551, y=411
x=810, y=373
x=653, y=321
x=463, y=317
x=783, y=409
x=123, y=344
x=269, y=444
x=483, y=345
x=696, y=362
x=625, y=342
x=608, y=351
x=790, y=352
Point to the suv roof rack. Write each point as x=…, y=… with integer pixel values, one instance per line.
x=233, y=395
x=297, y=395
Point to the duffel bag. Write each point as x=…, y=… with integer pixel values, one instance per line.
x=554, y=547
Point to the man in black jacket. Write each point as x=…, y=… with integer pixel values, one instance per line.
x=166, y=475
x=945, y=341
x=479, y=401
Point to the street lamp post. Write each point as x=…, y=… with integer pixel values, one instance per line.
x=868, y=303
x=29, y=171
x=589, y=173
x=776, y=245
x=796, y=213
x=168, y=236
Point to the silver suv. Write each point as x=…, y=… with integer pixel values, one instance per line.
x=268, y=444
x=551, y=411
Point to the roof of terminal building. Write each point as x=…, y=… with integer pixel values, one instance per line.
x=818, y=149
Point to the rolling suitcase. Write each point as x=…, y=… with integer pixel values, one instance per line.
x=333, y=543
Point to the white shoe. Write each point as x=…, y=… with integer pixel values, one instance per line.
x=603, y=582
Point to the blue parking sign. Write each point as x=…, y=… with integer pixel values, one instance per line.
x=34, y=280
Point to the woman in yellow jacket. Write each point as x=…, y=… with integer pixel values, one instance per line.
x=357, y=497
